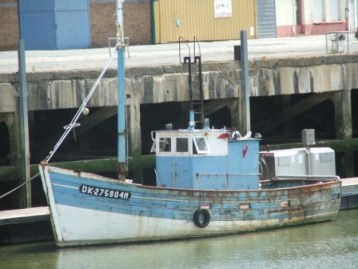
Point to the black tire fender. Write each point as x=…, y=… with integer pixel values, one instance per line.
x=201, y=217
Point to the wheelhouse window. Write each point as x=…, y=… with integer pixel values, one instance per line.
x=182, y=144
x=200, y=145
x=165, y=145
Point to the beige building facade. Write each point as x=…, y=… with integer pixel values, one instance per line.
x=311, y=17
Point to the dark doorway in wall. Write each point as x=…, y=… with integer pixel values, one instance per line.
x=282, y=118
x=221, y=119
x=84, y=142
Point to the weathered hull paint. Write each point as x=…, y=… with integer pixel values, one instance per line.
x=152, y=213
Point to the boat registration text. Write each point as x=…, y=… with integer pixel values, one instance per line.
x=107, y=193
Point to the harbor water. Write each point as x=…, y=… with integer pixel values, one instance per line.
x=327, y=245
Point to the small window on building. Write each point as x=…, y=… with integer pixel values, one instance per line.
x=326, y=10
x=200, y=145
x=165, y=145
x=317, y=11
x=182, y=145
x=334, y=8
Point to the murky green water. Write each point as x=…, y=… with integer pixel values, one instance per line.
x=326, y=245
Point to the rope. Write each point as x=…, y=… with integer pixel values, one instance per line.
x=68, y=128
x=18, y=187
x=74, y=123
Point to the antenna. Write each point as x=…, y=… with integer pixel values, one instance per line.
x=122, y=166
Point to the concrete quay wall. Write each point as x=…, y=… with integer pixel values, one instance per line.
x=332, y=74
x=145, y=85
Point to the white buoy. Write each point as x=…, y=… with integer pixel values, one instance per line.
x=85, y=111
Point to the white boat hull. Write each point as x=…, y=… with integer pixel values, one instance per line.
x=80, y=217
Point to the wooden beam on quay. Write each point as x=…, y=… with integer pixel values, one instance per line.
x=97, y=166
x=24, y=167
x=349, y=144
x=9, y=173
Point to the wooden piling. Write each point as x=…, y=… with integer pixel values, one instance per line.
x=25, y=196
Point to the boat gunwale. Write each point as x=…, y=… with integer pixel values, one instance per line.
x=92, y=176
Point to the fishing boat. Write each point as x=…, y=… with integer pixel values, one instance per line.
x=209, y=182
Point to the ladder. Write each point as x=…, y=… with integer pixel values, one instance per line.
x=196, y=95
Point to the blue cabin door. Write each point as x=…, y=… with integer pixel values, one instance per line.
x=72, y=24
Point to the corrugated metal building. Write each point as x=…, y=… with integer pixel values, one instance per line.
x=55, y=24
x=205, y=19
x=266, y=18
x=50, y=24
